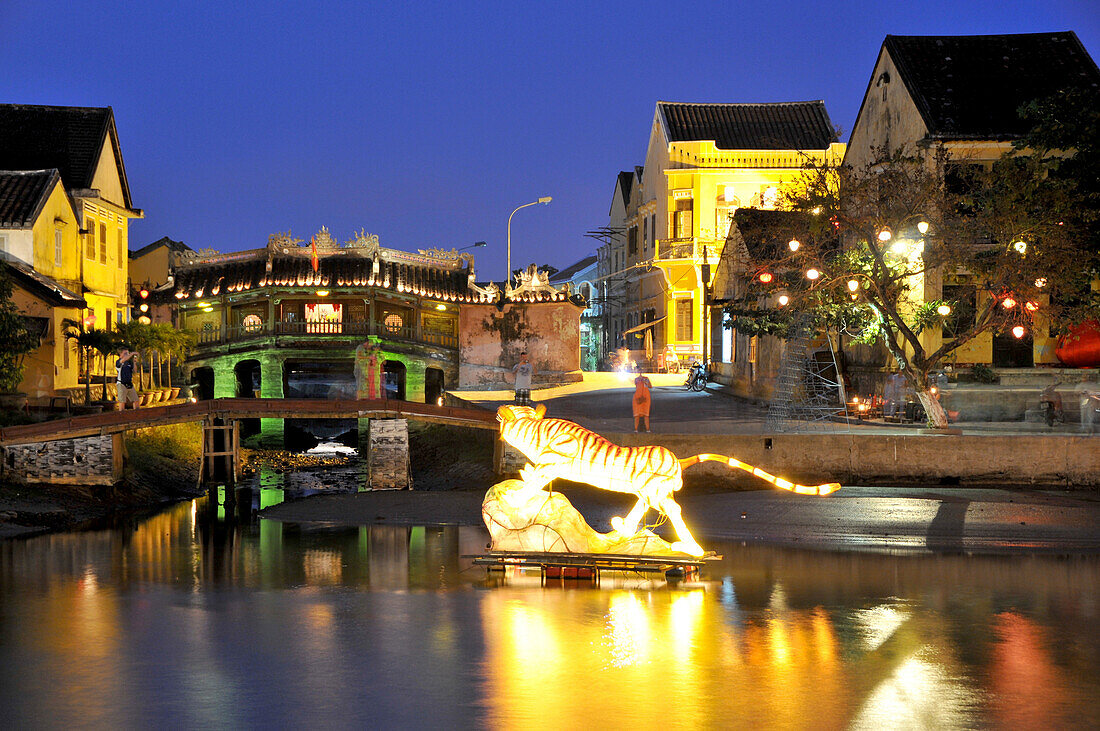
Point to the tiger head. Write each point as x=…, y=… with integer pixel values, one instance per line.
x=509, y=412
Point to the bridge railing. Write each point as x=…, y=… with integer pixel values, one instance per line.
x=238, y=333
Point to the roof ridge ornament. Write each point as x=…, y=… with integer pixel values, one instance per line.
x=282, y=242
x=535, y=282
x=366, y=243
x=324, y=239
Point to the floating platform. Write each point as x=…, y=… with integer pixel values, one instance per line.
x=587, y=565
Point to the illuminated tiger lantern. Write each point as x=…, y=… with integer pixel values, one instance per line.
x=561, y=449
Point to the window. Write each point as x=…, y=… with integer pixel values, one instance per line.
x=252, y=323
x=102, y=243
x=681, y=219
x=684, y=330
x=653, y=228
x=752, y=349
x=109, y=320
x=324, y=317
x=393, y=322
x=121, y=248
x=645, y=233
x=89, y=239
x=724, y=208
x=632, y=241
x=58, y=250
x=65, y=354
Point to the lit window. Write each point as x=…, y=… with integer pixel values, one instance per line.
x=684, y=331
x=252, y=323
x=102, y=243
x=682, y=219
x=121, y=248
x=58, y=250
x=393, y=322
x=89, y=239
x=324, y=317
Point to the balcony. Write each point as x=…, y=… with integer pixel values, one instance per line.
x=330, y=330
x=689, y=249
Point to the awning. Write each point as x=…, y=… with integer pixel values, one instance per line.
x=643, y=326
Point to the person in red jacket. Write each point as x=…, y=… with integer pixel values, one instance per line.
x=641, y=403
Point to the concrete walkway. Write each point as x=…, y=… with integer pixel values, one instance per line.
x=601, y=402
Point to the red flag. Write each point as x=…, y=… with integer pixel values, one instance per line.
x=313, y=256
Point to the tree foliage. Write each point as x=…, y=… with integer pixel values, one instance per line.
x=881, y=238
x=16, y=338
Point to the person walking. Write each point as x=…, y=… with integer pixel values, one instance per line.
x=124, y=382
x=641, y=402
x=523, y=372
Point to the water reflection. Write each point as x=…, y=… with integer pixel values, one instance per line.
x=203, y=615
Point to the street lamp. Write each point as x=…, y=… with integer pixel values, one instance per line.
x=474, y=245
x=544, y=199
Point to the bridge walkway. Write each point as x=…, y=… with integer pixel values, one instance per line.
x=115, y=422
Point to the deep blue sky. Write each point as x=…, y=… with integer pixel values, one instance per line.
x=427, y=123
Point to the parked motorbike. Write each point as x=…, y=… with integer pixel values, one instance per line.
x=697, y=377
x=1050, y=404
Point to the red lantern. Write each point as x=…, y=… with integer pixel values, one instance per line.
x=766, y=277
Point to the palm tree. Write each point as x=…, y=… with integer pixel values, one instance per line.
x=139, y=338
x=105, y=343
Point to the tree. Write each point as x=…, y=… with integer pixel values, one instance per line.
x=16, y=338
x=874, y=243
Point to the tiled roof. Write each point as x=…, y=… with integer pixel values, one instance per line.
x=626, y=182
x=196, y=282
x=43, y=287
x=34, y=137
x=566, y=274
x=780, y=126
x=22, y=195
x=163, y=241
x=971, y=86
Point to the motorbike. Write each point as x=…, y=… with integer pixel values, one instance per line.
x=1050, y=404
x=697, y=377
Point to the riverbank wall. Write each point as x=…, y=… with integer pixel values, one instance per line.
x=890, y=459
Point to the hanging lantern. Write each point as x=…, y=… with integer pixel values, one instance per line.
x=853, y=285
x=783, y=300
x=1041, y=282
x=765, y=277
x=812, y=274
x=1018, y=332
x=922, y=226
x=793, y=244
x=884, y=235
x=1020, y=247
x=1031, y=306
x=944, y=310
x=1008, y=303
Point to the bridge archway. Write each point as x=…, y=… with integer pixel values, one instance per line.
x=395, y=379
x=202, y=383
x=248, y=378
x=434, y=386
x=249, y=381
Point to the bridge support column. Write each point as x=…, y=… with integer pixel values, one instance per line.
x=272, y=431
x=221, y=443
x=388, y=455
x=507, y=460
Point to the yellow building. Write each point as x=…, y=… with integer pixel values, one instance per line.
x=703, y=162
x=960, y=95
x=39, y=238
x=82, y=144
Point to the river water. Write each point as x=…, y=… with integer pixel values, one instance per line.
x=191, y=618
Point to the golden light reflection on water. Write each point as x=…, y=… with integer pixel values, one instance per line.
x=770, y=639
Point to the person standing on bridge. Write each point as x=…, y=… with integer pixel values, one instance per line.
x=523, y=372
x=125, y=380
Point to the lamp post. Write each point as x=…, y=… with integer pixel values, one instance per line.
x=508, y=276
x=704, y=271
x=475, y=245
